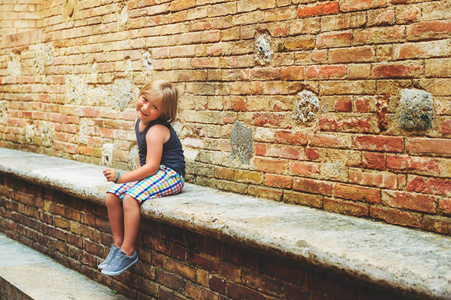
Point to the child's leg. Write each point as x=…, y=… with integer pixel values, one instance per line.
x=116, y=216
x=132, y=218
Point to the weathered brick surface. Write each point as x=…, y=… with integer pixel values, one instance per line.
x=64, y=70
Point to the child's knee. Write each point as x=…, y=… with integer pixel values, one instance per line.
x=112, y=199
x=130, y=202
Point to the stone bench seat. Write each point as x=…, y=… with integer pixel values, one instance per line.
x=418, y=263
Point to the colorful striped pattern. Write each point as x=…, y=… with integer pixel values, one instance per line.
x=164, y=183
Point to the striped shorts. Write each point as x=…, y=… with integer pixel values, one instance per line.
x=163, y=183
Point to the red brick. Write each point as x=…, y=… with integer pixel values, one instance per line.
x=429, y=30
x=182, y=4
x=352, y=55
x=27, y=199
x=74, y=240
x=381, y=17
x=319, y=56
x=263, y=283
x=292, y=73
x=93, y=248
x=343, y=105
x=304, y=168
x=203, y=62
x=311, y=154
x=421, y=50
x=169, y=280
x=69, y=148
x=85, y=150
x=239, y=256
x=318, y=9
x=236, y=291
x=362, y=105
x=379, y=143
x=345, y=207
x=280, y=268
x=260, y=149
x=294, y=138
x=181, y=51
x=405, y=163
x=446, y=127
x=256, y=88
x=183, y=270
x=357, y=193
x=354, y=5
x=361, y=125
x=428, y=185
x=280, y=31
x=445, y=206
x=379, y=35
x=334, y=40
x=24, y=38
x=273, y=119
x=237, y=103
x=437, y=224
x=393, y=216
x=267, y=193
x=322, y=72
x=397, y=71
x=288, y=152
x=277, y=181
x=303, y=199
x=271, y=165
x=61, y=223
x=313, y=186
x=265, y=73
x=428, y=146
x=329, y=140
x=410, y=14
x=159, y=244
x=211, y=36
x=217, y=284
x=220, y=10
x=373, y=160
x=412, y=201
x=300, y=43
x=380, y=180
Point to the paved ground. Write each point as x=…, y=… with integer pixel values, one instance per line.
x=41, y=278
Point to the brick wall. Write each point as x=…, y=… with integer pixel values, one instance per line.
x=19, y=16
x=338, y=105
x=174, y=263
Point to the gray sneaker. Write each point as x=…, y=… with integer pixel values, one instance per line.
x=120, y=263
x=110, y=257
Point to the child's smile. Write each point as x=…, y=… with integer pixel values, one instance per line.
x=148, y=110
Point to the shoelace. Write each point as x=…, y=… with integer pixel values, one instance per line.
x=118, y=258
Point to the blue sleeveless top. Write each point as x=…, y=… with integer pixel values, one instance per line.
x=172, y=150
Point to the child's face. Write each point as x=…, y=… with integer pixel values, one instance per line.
x=148, y=110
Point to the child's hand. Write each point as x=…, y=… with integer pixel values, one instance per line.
x=110, y=174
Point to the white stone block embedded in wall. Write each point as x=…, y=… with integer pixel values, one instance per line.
x=107, y=154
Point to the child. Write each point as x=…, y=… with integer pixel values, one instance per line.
x=160, y=172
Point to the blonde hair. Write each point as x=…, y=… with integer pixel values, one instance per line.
x=163, y=89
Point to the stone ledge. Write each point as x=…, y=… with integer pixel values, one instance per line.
x=417, y=263
x=28, y=274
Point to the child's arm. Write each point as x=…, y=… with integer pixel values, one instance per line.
x=155, y=138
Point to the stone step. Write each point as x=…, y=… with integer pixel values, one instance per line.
x=27, y=274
